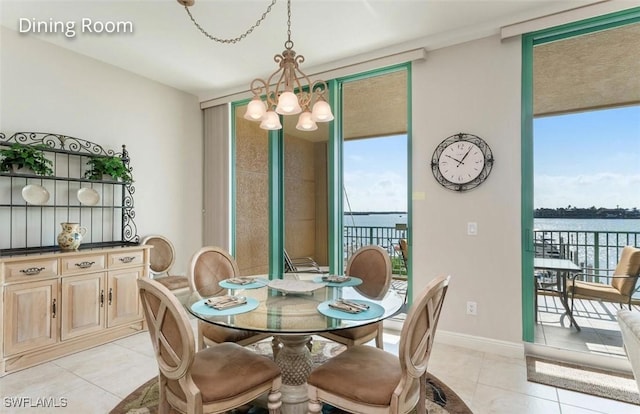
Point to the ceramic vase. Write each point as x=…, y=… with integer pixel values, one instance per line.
x=71, y=236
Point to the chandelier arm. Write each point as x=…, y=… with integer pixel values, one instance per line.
x=258, y=85
x=235, y=39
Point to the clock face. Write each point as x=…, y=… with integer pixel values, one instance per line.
x=462, y=162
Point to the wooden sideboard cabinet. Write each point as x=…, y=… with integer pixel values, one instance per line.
x=59, y=303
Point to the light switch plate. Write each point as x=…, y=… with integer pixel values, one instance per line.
x=472, y=228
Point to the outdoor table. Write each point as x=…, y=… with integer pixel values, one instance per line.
x=563, y=267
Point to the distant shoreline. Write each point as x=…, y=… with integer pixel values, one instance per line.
x=615, y=214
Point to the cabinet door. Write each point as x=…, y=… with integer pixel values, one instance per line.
x=31, y=316
x=83, y=304
x=122, y=297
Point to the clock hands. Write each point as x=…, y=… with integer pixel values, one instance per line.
x=465, y=156
x=455, y=159
x=460, y=162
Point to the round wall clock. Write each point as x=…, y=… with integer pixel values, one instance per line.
x=462, y=162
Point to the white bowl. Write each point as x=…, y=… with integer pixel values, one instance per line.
x=35, y=194
x=88, y=196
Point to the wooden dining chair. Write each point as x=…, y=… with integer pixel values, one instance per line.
x=368, y=380
x=209, y=266
x=214, y=380
x=161, y=260
x=373, y=265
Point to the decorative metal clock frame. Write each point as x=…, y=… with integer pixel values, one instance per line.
x=466, y=144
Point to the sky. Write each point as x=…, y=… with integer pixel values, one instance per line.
x=588, y=159
x=580, y=160
x=375, y=174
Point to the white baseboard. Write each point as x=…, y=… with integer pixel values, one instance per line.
x=478, y=343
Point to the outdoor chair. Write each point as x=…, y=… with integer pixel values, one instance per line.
x=301, y=265
x=367, y=380
x=623, y=281
x=214, y=380
x=373, y=266
x=161, y=260
x=404, y=252
x=207, y=268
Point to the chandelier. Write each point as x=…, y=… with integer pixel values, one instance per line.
x=287, y=91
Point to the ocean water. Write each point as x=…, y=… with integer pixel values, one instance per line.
x=613, y=225
x=374, y=220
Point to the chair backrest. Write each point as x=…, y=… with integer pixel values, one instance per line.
x=416, y=339
x=404, y=250
x=628, y=265
x=209, y=266
x=162, y=256
x=373, y=265
x=288, y=264
x=169, y=328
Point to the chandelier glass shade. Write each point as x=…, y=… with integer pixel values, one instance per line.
x=288, y=91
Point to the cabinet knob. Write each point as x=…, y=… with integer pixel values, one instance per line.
x=85, y=265
x=127, y=259
x=32, y=271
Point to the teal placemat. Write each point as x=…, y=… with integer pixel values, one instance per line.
x=374, y=311
x=201, y=308
x=258, y=283
x=354, y=281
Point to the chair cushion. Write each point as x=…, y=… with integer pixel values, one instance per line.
x=599, y=290
x=226, y=370
x=361, y=373
x=173, y=282
x=628, y=265
x=220, y=334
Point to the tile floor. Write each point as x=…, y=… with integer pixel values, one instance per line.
x=94, y=381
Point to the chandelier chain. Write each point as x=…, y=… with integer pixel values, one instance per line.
x=289, y=22
x=243, y=35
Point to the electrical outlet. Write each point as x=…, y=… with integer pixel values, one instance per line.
x=472, y=308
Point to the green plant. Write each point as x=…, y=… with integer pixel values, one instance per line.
x=113, y=166
x=26, y=156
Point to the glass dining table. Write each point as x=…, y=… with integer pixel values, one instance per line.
x=292, y=309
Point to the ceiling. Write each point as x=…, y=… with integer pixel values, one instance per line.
x=166, y=46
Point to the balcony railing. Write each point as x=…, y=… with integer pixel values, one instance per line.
x=355, y=237
x=588, y=249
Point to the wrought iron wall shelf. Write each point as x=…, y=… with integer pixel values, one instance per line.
x=33, y=228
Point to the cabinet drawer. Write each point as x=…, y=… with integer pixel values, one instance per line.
x=123, y=259
x=38, y=268
x=82, y=264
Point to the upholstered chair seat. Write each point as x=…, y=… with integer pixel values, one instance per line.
x=622, y=283
x=161, y=261
x=368, y=380
x=215, y=380
x=212, y=367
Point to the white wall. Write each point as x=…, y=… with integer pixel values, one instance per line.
x=45, y=88
x=473, y=87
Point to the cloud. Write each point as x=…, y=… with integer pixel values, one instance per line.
x=605, y=189
x=375, y=191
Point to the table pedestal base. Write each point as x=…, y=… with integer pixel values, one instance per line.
x=294, y=360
